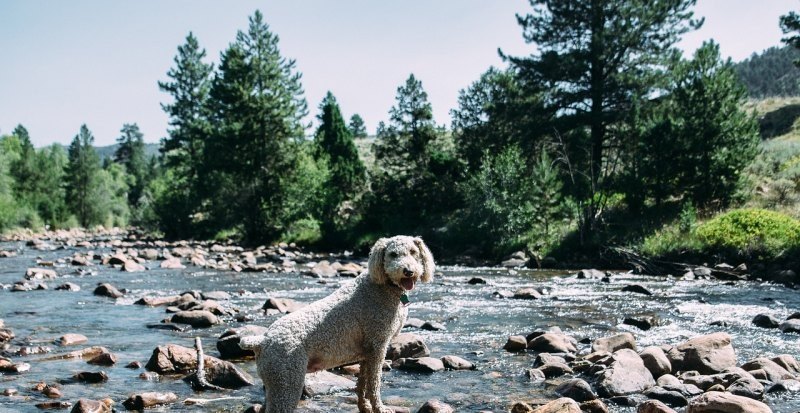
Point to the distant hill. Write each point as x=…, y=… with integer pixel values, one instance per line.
x=150, y=149
x=771, y=73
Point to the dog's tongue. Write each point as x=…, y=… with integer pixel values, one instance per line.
x=407, y=284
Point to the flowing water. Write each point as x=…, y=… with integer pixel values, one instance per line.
x=477, y=323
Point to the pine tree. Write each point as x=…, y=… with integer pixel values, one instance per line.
x=257, y=106
x=51, y=163
x=130, y=153
x=82, y=180
x=598, y=57
x=357, y=127
x=790, y=24
x=23, y=169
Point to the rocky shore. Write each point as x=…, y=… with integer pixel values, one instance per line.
x=608, y=373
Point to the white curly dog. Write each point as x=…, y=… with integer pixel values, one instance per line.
x=354, y=324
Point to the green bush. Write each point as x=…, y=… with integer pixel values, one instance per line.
x=751, y=231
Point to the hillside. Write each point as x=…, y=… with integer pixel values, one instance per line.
x=771, y=73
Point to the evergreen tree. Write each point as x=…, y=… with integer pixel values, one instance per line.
x=598, y=57
x=130, y=153
x=335, y=144
x=257, y=106
x=771, y=73
x=51, y=163
x=357, y=127
x=790, y=24
x=82, y=186
x=9, y=210
x=23, y=169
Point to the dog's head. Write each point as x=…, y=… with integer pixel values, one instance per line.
x=401, y=260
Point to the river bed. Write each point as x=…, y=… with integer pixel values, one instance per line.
x=477, y=326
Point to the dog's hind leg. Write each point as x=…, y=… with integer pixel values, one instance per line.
x=286, y=386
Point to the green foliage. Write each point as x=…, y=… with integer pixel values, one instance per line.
x=83, y=191
x=357, y=127
x=688, y=218
x=130, y=153
x=771, y=73
x=790, y=24
x=752, y=231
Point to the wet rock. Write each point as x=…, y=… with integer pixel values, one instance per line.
x=670, y=397
x=68, y=286
x=594, y=406
x=6, y=366
x=503, y=294
x=535, y=375
x=163, y=301
x=614, y=343
x=653, y=406
x=562, y=405
x=433, y=326
x=71, y=339
x=173, y=263
x=625, y=375
x=107, y=290
x=142, y=401
x=9, y=392
x=642, y=322
x=6, y=335
x=322, y=269
x=81, y=260
x=413, y=323
x=708, y=354
x=419, y=365
x=134, y=365
x=132, y=266
x=527, y=294
x=195, y=318
x=52, y=392
x=283, y=305
x=591, y=273
x=516, y=259
x=91, y=377
x=256, y=408
x=553, y=343
x=216, y=295
x=576, y=389
x=407, y=345
x=656, y=361
x=636, y=288
x=212, y=306
x=772, y=370
x=166, y=326
x=174, y=359
x=515, y=344
x=702, y=272
x=435, y=406
x=765, y=321
x=53, y=405
x=40, y=274
x=544, y=358
x=786, y=361
x=476, y=280
x=91, y=406
x=104, y=358
x=325, y=382
x=747, y=387
x=790, y=326
x=788, y=385
x=228, y=342
x=456, y=363
x=716, y=402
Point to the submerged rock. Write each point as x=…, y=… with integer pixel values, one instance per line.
x=107, y=290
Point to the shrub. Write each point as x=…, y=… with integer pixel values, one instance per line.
x=751, y=231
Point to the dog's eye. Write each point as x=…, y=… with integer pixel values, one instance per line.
x=392, y=254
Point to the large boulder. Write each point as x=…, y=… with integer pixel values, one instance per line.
x=626, y=374
x=175, y=359
x=656, y=361
x=709, y=354
x=773, y=371
x=576, y=389
x=228, y=342
x=562, y=405
x=282, y=305
x=407, y=345
x=553, y=343
x=721, y=402
x=614, y=343
x=107, y=290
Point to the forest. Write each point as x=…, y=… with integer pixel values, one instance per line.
x=606, y=136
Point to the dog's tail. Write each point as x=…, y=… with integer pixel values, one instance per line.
x=251, y=343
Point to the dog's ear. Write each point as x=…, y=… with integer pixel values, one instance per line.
x=427, y=260
x=377, y=271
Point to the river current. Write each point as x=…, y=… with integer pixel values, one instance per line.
x=477, y=326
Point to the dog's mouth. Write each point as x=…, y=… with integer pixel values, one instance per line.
x=407, y=283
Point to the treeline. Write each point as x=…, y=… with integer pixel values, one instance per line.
x=606, y=124
x=771, y=73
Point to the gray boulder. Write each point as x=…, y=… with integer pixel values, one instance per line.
x=720, y=402
x=625, y=375
x=708, y=354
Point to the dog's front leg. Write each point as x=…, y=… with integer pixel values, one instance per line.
x=371, y=385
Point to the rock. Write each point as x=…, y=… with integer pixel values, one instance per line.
x=104, y=358
x=786, y=361
x=195, y=318
x=53, y=405
x=636, y=288
x=535, y=375
x=52, y=392
x=708, y=354
x=91, y=377
x=456, y=363
x=173, y=263
x=784, y=386
x=614, y=343
x=656, y=361
x=433, y=326
x=81, y=261
x=6, y=335
x=407, y=345
x=323, y=269
x=702, y=272
x=91, y=406
x=132, y=266
x=717, y=402
x=576, y=389
x=134, y=365
x=174, y=359
x=592, y=273
x=515, y=344
x=625, y=375
x=790, y=326
x=107, y=290
x=555, y=369
x=545, y=358
x=747, y=387
x=6, y=366
x=283, y=305
x=435, y=406
x=670, y=397
x=40, y=274
x=413, y=323
x=642, y=322
x=216, y=295
x=212, y=306
x=553, y=343
x=142, y=401
x=527, y=294
x=256, y=408
x=562, y=405
x=166, y=326
x=594, y=406
x=476, y=280
x=765, y=321
x=772, y=370
x=162, y=301
x=653, y=406
x=325, y=382
x=228, y=342
x=420, y=365
x=68, y=286
x=71, y=339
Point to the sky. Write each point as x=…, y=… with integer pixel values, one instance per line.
x=66, y=63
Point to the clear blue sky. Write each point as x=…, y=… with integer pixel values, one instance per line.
x=65, y=63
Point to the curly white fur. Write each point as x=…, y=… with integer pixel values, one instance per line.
x=354, y=324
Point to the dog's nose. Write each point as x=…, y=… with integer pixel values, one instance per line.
x=407, y=272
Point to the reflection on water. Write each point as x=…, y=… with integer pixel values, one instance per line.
x=478, y=325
